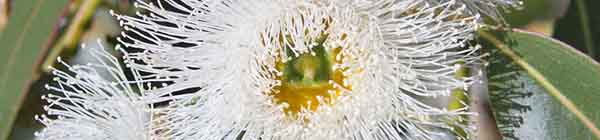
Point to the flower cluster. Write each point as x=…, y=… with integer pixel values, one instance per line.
x=276, y=70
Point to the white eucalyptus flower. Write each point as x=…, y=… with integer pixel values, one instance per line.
x=85, y=105
x=303, y=69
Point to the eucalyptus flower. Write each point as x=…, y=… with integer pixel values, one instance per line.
x=304, y=69
x=85, y=105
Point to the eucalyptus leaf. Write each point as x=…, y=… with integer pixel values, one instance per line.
x=30, y=25
x=541, y=88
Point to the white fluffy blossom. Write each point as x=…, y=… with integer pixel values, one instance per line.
x=276, y=70
x=242, y=56
x=85, y=105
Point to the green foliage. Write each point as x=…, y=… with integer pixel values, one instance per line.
x=25, y=36
x=569, y=76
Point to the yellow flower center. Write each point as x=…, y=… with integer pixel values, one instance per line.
x=309, y=80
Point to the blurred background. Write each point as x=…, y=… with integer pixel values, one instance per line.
x=34, y=32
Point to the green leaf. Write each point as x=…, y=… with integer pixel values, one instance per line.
x=29, y=28
x=571, y=80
